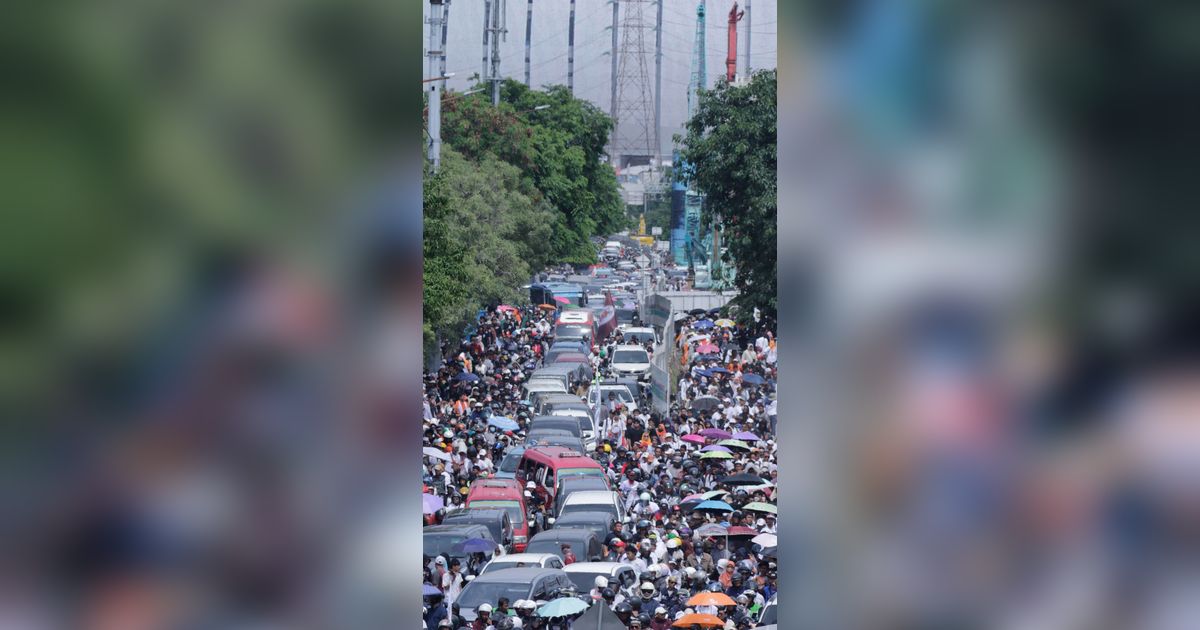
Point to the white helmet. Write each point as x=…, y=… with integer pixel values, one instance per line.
x=645, y=496
x=530, y=485
x=601, y=581
x=485, y=607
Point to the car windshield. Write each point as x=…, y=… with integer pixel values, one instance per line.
x=496, y=565
x=584, y=581
x=589, y=507
x=570, y=331
x=770, y=616
x=630, y=356
x=579, y=472
x=477, y=593
x=546, y=546
x=510, y=462
x=622, y=393
x=512, y=507
x=437, y=544
x=638, y=337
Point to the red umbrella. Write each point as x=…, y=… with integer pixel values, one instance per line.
x=505, y=307
x=741, y=530
x=706, y=348
x=562, y=300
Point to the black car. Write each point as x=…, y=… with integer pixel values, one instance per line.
x=561, y=423
x=583, y=541
x=599, y=522
x=516, y=583
x=437, y=540
x=496, y=520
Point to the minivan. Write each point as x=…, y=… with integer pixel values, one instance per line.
x=506, y=494
x=529, y=389
x=512, y=584
x=498, y=521
x=546, y=466
x=584, y=542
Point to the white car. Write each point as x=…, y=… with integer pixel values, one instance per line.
x=594, y=501
x=631, y=360
x=544, y=560
x=588, y=430
x=598, y=394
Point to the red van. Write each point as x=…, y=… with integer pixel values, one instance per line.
x=545, y=466
x=508, y=494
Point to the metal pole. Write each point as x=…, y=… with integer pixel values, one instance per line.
x=658, y=88
x=445, y=27
x=613, y=80
x=528, y=31
x=748, y=27
x=571, y=51
x=495, y=71
x=435, y=87
x=487, y=27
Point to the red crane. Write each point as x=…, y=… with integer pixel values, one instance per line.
x=735, y=16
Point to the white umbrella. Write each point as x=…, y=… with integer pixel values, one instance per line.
x=765, y=540
x=436, y=453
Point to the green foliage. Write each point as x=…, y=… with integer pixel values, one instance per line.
x=731, y=146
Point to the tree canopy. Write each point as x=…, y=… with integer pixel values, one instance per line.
x=731, y=150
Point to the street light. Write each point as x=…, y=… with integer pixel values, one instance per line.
x=448, y=75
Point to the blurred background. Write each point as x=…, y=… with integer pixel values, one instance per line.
x=210, y=353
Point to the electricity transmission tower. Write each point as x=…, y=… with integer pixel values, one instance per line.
x=633, y=131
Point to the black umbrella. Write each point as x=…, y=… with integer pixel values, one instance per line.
x=706, y=403
x=697, y=312
x=743, y=479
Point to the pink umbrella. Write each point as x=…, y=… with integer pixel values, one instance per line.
x=693, y=497
x=561, y=300
x=506, y=307
x=706, y=348
x=693, y=438
x=715, y=447
x=717, y=434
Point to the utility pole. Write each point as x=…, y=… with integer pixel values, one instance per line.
x=498, y=9
x=748, y=27
x=658, y=88
x=445, y=27
x=528, y=30
x=571, y=51
x=487, y=23
x=613, y=102
x=435, y=87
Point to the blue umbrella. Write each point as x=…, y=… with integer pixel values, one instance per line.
x=504, y=424
x=753, y=379
x=705, y=373
x=477, y=545
x=428, y=590
x=703, y=324
x=466, y=377
x=713, y=506
x=718, y=370
x=562, y=607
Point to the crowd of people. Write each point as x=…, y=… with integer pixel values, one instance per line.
x=698, y=481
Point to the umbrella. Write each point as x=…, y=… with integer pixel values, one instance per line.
x=687, y=505
x=474, y=545
x=708, y=598
x=548, y=307
x=697, y=337
x=697, y=312
x=505, y=307
x=691, y=437
x=713, y=506
x=743, y=479
x=716, y=455
x=436, y=453
x=701, y=619
x=562, y=607
x=706, y=403
x=706, y=348
x=746, y=435
x=703, y=324
x=718, y=370
x=466, y=377
x=752, y=379
x=711, y=529
x=716, y=434
x=714, y=447
x=694, y=497
x=759, y=506
x=705, y=373
x=598, y=618
x=734, y=444
x=561, y=300
x=714, y=493
x=725, y=323
x=428, y=590
x=431, y=503
x=504, y=424
x=765, y=540
x=741, y=530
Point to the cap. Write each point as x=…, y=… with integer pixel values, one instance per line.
x=660, y=611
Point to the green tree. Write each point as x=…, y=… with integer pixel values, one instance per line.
x=731, y=147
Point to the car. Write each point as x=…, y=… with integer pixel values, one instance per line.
x=529, y=389
x=593, y=501
x=547, y=401
x=438, y=540
x=770, y=612
x=639, y=335
x=579, y=424
x=599, y=393
x=498, y=521
x=547, y=466
x=583, y=542
x=550, y=437
x=599, y=522
x=518, y=583
x=518, y=560
x=631, y=360
x=508, y=466
x=565, y=358
x=584, y=574
x=508, y=494
x=569, y=485
x=580, y=411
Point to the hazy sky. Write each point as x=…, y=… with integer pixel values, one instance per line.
x=593, y=41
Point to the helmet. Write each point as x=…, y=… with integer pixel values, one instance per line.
x=607, y=593
x=503, y=623
x=645, y=496
x=485, y=607
x=530, y=485
x=601, y=581
x=643, y=524
x=647, y=587
x=624, y=607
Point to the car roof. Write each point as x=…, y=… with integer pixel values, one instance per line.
x=629, y=346
x=591, y=496
x=524, y=557
x=585, y=479
x=596, y=567
x=476, y=513
x=442, y=529
x=562, y=454
x=586, y=517
x=525, y=575
x=564, y=533
x=639, y=329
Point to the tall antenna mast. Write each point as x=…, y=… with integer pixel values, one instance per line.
x=699, y=80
